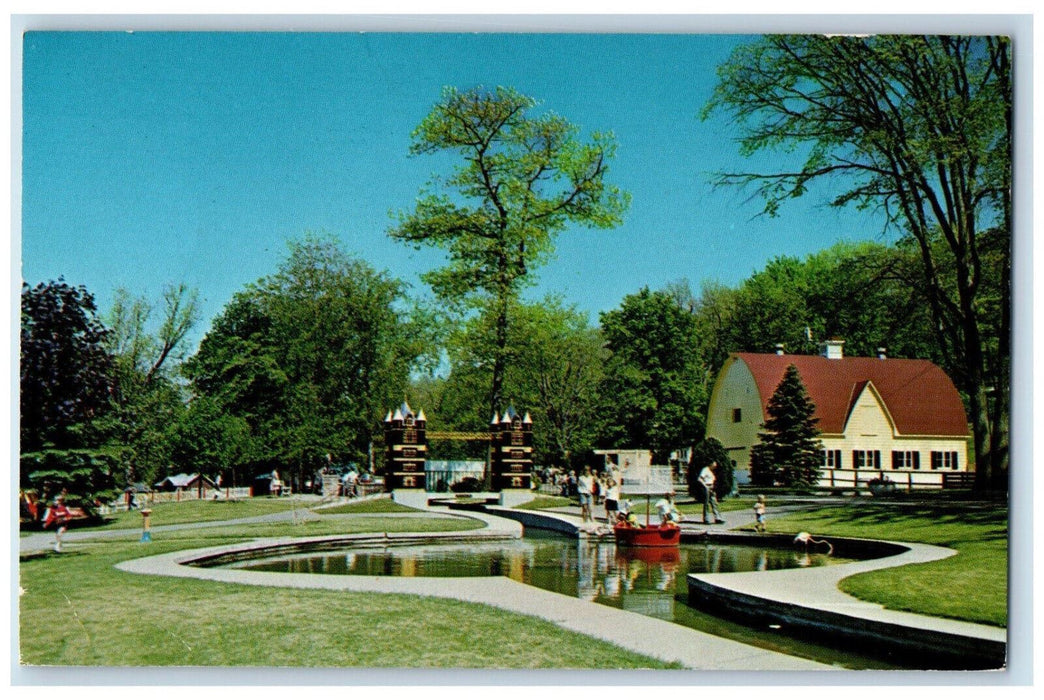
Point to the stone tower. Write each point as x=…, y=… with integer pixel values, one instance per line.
x=405, y=436
x=511, y=453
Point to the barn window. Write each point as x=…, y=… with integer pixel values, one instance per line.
x=944, y=460
x=906, y=459
x=866, y=459
x=737, y=415
x=832, y=459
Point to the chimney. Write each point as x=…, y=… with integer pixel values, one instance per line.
x=881, y=354
x=779, y=348
x=831, y=349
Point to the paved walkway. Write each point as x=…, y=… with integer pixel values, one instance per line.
x=815, y=588
x=646, y=635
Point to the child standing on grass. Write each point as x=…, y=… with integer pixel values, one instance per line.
x=59, y=515
x=759, y=514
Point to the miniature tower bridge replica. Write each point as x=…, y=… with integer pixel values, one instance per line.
x=510, y=439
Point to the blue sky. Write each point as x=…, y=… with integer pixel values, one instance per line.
x=156, y=158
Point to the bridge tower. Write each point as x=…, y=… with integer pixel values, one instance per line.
x=405, y=437
x=511, y=453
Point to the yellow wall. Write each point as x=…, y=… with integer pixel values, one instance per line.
x=735, y=388
x=869, y=426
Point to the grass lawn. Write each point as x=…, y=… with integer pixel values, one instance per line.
x=196, y=511
x=372, y=505
x=545, y=502
x=972, y=585
x=77, y=609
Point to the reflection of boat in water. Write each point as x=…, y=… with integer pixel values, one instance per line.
x=648, y=536
x=650, y=555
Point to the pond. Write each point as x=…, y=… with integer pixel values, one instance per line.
x=649, y=581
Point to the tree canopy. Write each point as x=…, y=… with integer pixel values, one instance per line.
x=66, y=373
x=308, y=359
x=653, y=389
x=523, y=179
x=918, y=127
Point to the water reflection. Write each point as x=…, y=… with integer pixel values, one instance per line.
x=640, y=579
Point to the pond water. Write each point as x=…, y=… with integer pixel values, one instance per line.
x=650, y=581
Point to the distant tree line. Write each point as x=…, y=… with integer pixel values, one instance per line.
x=301, y=366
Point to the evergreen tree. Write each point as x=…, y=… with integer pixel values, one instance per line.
x=711, y=450
x=790, y=452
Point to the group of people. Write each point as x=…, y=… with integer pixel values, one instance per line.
x=592, y=486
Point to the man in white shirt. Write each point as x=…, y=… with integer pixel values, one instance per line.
x=710, y=500
x=585, y=489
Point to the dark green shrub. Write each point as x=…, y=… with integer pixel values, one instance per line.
x=704, y=454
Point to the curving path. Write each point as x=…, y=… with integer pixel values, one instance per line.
x=814, y=589
x=646, y=635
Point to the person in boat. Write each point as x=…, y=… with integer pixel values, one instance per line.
x=669, y=513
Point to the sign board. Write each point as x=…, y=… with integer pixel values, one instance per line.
x=647, y=480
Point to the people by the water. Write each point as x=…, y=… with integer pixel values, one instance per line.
x=759, y=514
x=585, y=490
x=612, y=498
x=707, y=479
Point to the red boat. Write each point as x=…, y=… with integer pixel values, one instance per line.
x=647, y=536
x=645, y=480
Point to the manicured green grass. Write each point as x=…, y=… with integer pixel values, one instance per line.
x=972, y=585
x=196, y=511
x=545, y=502
x=372, y=505
x=727, y=504
x=77, y=609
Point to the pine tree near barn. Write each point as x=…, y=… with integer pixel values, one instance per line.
x=789, y=452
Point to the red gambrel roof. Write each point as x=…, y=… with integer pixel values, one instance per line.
x=918, y=395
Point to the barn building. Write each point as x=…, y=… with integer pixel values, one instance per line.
x=878, y=416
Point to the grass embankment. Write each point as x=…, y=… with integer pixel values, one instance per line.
x=77, y=609
x=972, y=585
x=196, y=511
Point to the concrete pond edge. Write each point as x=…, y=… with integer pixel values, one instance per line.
x=650, y=636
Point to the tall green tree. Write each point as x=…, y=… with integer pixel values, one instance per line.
x=309, y=358
x=524, y=178
x=653, y=390
x=66, y=373
x=554, y=373
x=148, y=349
x=918, y=127
x=789, y=452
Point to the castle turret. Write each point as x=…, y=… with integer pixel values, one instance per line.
x=405, y=435
x=511, y=440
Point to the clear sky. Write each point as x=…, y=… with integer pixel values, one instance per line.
x=155, y=158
